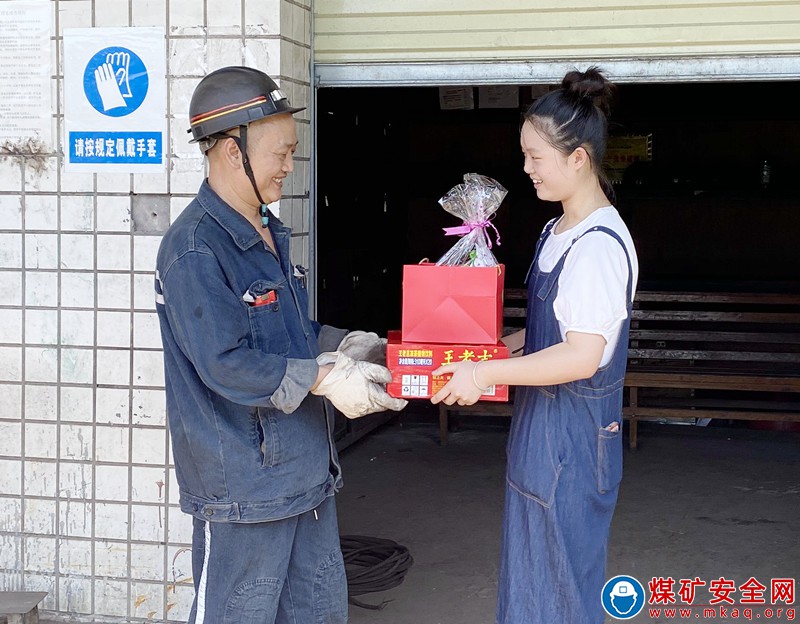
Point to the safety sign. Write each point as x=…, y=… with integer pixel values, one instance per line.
x=114, y=100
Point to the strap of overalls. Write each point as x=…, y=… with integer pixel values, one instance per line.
x=542, y=237
x=553, y=276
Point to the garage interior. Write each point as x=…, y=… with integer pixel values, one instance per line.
x=700, y=212
x=705, y=216
x=713, y=209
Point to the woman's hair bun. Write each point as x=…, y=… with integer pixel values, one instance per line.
x=591, y=84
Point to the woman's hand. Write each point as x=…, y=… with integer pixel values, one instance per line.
x=463, y=387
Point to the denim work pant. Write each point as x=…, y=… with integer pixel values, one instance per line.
x=282, y=572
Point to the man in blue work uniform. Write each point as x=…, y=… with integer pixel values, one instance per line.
x=251, y=435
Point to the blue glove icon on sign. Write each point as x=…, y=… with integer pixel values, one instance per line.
x=115, y=81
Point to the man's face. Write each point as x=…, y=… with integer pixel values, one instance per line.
x=271, y=143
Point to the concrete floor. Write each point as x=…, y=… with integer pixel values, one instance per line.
x=694, y=502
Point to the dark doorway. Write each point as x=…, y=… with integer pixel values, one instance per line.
x=701, y=212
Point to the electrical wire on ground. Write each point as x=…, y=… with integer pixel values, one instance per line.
x=373, y=564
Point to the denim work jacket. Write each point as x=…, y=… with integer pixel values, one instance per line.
x=250, y=443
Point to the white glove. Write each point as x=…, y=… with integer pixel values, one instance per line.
x=364, y=346
x=355, y=387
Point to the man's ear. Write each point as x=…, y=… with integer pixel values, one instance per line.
x=230, y=152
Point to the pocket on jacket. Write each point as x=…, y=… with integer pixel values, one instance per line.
x=267, y=437
x=267, y=325
x=609, y=459
x=253, y=602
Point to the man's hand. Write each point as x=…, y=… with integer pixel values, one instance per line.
x=355, y=388
x=364, y=346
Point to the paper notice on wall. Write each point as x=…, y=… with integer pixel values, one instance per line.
x=26, y=110
x=456, y=98
x=114, y=100
x=498, y=96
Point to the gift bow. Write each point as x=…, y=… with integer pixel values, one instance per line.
x=470, y=227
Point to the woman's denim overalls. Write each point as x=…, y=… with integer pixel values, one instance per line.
x=563, y=475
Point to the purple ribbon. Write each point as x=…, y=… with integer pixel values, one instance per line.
x=461, y=230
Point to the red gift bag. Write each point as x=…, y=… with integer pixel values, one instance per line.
x=453, y=304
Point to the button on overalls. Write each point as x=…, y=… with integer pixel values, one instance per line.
x=564, y=469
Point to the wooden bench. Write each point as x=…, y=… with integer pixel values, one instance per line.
x=21, y=607
x=713, y=355
x=697, y=355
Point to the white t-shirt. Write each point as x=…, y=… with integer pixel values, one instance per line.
x=591, y=287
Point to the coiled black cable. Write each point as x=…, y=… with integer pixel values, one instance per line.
x=373, y=564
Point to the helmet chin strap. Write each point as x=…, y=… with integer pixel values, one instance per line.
x=241, y=142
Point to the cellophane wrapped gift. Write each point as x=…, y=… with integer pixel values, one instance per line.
x=474, y=202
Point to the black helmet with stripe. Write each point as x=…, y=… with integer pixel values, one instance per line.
x=231, y=97
x=234, y=97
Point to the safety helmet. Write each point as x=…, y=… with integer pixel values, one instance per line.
x=231, y=97
x=624, y=589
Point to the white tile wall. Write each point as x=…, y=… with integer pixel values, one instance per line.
x=77, y=365
x=77, y=404
x=75, y=482
x=77, y=327
x=41, y=364
x=41, y=250
x=114, y=290
x=111, y=483
x=76, y=442
x=10, y=477
x=41, y=402
x=113, y=406
x=114, y=597
x=11, y=439
x=77, y=290
x=11, y=288
x=41, y=212
x=10, y=250
x=113, y=367
x=41, y=289
x=88, y=497
x=40, y=476
x=113, y=252
x=11, y=402
x=75, y=519
x=10, y=174
x=10, y=364
x=111, y=521
x=11, y=326
x=77, y=212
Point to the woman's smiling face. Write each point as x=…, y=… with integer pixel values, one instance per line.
x=545, y=165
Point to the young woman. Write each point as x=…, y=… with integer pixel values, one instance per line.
x=565, y=446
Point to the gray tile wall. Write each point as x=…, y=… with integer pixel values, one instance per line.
x=88, y=499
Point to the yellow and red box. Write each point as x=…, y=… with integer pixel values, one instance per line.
x=412, y=363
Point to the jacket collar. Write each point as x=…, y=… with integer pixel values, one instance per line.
x=240, y=229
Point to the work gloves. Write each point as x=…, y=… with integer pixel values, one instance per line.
x=356, y=388
x=364, y=346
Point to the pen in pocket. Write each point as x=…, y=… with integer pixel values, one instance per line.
x=259, y=300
